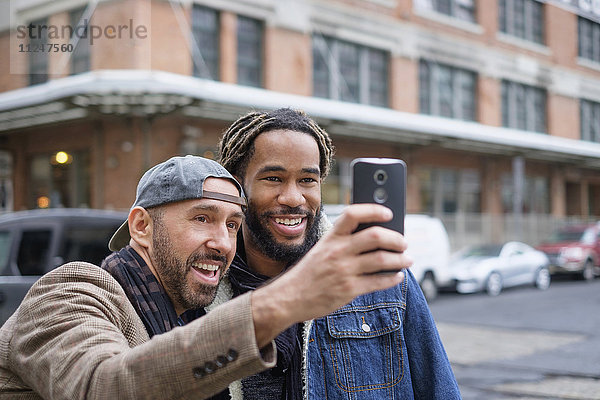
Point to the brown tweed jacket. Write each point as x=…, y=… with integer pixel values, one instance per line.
x=76, y=336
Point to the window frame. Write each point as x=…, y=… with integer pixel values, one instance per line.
x=589, y=113
x=512, y=95
x=332, y=79
x=80, y=57
x=38, y=57
x=255, y=63
x=454, y=9
x=430, y=93
x=450, y=190
x=209, y=57
x=518, y=18
x=588, y=48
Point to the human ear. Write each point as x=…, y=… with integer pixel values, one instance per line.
x=140, y=227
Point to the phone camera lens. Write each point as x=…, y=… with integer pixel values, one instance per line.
x=380, y=195
x=380, y=176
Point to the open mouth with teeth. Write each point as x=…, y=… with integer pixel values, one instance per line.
x=207, y=272
x=289, y=227
x=288, y=221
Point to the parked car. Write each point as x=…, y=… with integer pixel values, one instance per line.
x=36, y=241
x=428, y=246
x=493, y=267
x=574, y=250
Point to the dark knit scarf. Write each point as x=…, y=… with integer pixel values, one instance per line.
x=289, y=348
x=147, y=296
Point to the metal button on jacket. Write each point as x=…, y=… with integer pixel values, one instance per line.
x=210, y=367
x=232, y=355
x=365, y=327
x=199, y=373
x=221, y=361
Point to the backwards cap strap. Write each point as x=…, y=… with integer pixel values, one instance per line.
x=224, y=197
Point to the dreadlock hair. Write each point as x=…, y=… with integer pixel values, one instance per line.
x=237, y=144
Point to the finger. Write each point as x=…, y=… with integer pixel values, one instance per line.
x=356, y=214
x=373, y=283
x=381, y=261
x=377, y=237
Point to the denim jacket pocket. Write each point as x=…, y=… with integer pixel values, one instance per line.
x=364, y=347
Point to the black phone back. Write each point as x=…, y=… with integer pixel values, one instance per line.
x=381, y=181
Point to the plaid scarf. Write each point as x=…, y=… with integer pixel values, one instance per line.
x=142, y=289
x=148, y=297
x=288, y=342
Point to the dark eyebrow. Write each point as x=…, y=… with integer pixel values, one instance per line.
x=215, y=209
x=315, y=171
x=271, y=168
x=278, y=168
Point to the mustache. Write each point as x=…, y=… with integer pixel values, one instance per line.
x=288, y=210
x=197, y=257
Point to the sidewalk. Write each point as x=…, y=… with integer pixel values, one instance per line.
x=487, y=360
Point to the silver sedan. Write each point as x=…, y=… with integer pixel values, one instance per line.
x=491, y=268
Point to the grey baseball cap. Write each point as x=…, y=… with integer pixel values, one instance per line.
x=177, y=179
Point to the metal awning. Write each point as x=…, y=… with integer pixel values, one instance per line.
x=145, y=93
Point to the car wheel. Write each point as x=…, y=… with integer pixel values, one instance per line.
x=429, y=287
x=588, y=270
x=542, y=278
x=493, y=286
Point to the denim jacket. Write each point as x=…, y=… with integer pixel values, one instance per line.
x=383, y=345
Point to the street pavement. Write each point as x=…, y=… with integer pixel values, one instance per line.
x=524, y=344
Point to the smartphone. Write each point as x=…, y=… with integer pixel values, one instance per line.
x=381, y=181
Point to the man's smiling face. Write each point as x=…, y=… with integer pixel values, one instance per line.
x=283, y=185
x=193, y=244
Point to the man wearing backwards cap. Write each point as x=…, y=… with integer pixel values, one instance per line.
x=107, y=332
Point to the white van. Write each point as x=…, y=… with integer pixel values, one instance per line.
x=428, y=246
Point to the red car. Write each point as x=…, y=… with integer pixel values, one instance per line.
x=574, y=250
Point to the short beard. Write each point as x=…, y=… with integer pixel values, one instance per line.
x=264, y=240
x=173, y=272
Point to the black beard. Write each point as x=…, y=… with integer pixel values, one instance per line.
x=264, y=240
x=173, y=273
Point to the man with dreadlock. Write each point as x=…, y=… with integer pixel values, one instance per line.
x=382, y=345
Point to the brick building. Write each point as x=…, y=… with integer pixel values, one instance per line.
x=494, y=105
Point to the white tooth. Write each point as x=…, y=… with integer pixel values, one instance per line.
x=208, y=267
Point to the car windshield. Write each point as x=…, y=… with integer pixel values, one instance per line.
x=566, y=235
x=488, y=250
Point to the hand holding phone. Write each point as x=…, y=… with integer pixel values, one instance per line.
x=381, y=181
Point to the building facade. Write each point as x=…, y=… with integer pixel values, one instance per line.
x=494, y=105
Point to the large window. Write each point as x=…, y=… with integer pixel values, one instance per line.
x=522, y=18
x=59, y=180
x=589, y=39
x=590, y=121
x=461, y=9
x=447, y=91
x=249, y=51
x=535, y=194
x=205, y=30
x=450, y=191
x=523, y=107
x=349, y=72
x=38, y=55
x=80, y=58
